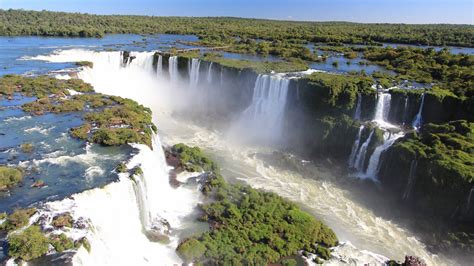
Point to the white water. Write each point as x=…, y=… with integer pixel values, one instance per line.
x=209, y=73
x=159, y=66
x=355, y=148
x=418, y=118
x=358, y=107
x=173, y=68
x=351, y=220
x=360, y=158
x=374, y=161
x=405, y=111
x=262, y=120
x=383, y=108
x=193, y=69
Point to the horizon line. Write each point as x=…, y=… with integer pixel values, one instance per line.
x=234, y=17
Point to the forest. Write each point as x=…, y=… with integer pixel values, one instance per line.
x=46, y=23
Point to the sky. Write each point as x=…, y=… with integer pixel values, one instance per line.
x=384, y=11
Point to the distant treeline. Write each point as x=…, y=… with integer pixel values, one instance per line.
x=45, y=23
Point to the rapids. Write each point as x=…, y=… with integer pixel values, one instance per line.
x=113, y=211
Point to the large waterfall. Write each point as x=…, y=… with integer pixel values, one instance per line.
x=118, y=234
x=159, y=66
x=383, y=108
x=193, y=68
x=360, y=159
x=173, y=68
x=418, y=118
x=124, y=214
x=372, y=168
x=263, y=119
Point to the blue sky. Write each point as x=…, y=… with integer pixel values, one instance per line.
x=404, y=11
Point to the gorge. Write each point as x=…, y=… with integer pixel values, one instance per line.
x=361, y=157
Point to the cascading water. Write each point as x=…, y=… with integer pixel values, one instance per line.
x=358, y=107
x=117, y=237
x=159, y=66
x=193, y=68
x=355, y=148
x=209, y=73
x=173, y=68
x=411, y=179
x=418, y=118
x=383, y=108
x=263, y=118
x=360, y=159
x=143, y=61
x=372, y=168
x=405, y=111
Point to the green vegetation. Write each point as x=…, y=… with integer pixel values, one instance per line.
x=122, y=168
x=109, y=120
x=63, y=220
x=28, y=244
x=454, y=73
x=27, y=147
x=41, y=86
x=192, y=159
x=85, y=64
x=447, y=148
x=61, y=242
x=338, y=90
x=259, y=66
x=248, y=226
x=19, y=218
x=221, y=30
x=84, y=243
x=10, y=177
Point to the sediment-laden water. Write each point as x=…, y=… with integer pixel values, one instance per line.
x=315, y=190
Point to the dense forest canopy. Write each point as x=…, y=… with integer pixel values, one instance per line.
x=45, y=23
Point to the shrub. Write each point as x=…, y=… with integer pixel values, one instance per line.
x=26, y=147
x=9, y=177
x=61, y=242
x=18, y=219
x=28, y=244
x=191, y=250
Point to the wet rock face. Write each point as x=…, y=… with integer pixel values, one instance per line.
x=127, y=58
x=413, y=261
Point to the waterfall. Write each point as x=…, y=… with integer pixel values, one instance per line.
x=383, y=107
x=193, y=69
x=119, y=213
x=159, y=66
x=418, y=118
x=360, y=159
x=143, y=61
x=405, y=111
x=358, y=107
x=372, y=168
x=173, y=68
x=209, y=73
x=411, y=179
x=355, y=148
x=263, y=118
